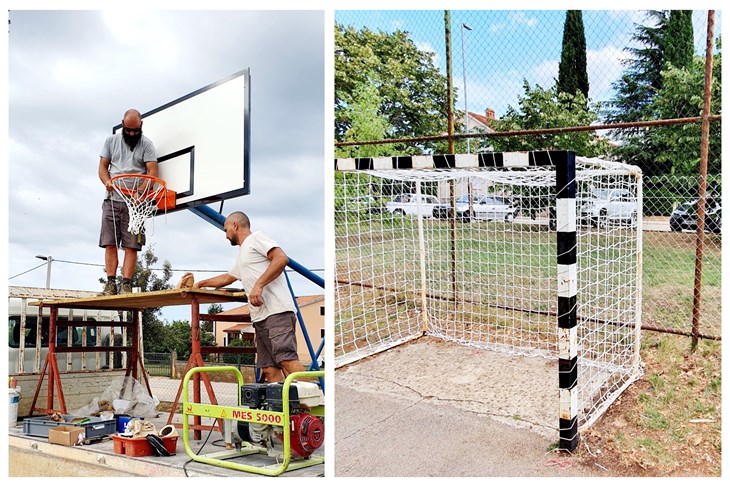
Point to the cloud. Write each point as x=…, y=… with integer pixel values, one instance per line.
x=72, y=74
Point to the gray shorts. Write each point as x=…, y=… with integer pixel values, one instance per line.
x=276, y=340
x=114, y=223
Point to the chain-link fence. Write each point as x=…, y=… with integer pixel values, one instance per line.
x=629, y=86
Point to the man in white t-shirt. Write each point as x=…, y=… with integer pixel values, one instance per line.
x=260, y=268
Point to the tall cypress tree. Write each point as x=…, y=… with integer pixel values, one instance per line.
x=573, y=68
x=679, y=40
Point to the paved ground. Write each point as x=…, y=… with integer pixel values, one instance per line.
x=420, y=421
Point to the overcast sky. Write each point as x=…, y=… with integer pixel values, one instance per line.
x=72, y=74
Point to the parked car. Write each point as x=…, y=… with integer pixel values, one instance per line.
x=363, y=204
x=484, y=207
x=407, y=204
x=609, y=205
x=684, y=217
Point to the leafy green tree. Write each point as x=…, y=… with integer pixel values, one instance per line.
x=573, y=67
x=664, y=41
x=411, y=91
x=213, y=309
x=180, y=338
x=683, y=92
x=540, y=109
x=543, y=108
x=147, y=279
x=366, y=124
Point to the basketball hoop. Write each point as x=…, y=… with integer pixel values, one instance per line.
x=143, y=195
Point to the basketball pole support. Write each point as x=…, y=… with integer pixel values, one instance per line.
x=216, y=219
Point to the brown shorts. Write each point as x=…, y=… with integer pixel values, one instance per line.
x=114, y=224
x=276, y=340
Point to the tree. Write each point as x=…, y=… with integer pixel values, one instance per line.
x=147, y=280
x=213, y=309
x=366, y=123
x=411, y=91
x=180, y=338
x=543, y=108
x=662, y=43
x=573, y=67
x=679, y=40
x=682, y=93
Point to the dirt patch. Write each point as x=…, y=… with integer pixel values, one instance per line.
x=668, y=423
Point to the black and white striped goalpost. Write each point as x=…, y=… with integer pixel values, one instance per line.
x=567, y=303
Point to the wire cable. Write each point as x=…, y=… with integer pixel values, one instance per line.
x=25, y=272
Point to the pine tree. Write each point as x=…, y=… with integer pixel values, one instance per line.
x=658, y=44
x=573, y=68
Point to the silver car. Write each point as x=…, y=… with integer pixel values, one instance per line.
x=483, y=207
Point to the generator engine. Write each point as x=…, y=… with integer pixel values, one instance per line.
x=307, y=430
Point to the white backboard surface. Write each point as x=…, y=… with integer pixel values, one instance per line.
x=202, y=141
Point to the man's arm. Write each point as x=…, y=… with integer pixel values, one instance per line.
x=216, y=282
x=277, y=262
x=152, y=170
x=104, y=175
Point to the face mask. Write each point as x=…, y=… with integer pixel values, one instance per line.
x=131, y=140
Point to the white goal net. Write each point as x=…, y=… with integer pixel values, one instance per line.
x=470, y=255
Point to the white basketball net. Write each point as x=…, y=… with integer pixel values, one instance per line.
x=141, y=203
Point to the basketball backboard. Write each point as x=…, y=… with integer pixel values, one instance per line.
x=202, y=141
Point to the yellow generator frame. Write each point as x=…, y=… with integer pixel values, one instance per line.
x=282, y=419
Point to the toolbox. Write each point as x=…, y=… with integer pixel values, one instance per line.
x=140, y=447
x=94, y=428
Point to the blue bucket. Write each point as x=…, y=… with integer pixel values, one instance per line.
x=122, y=422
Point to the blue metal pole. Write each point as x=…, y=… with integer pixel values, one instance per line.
x=215, y=218
x=314, y=365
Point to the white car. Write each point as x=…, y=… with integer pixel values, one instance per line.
x=407, y=204
x=482, y=208
x=608, y=205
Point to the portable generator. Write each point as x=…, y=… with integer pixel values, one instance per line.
x=284, y=420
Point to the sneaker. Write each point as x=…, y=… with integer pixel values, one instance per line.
x=126, y=288
x=110, y=288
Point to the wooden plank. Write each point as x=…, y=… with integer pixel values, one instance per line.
x=150, y=299
x=242, y=318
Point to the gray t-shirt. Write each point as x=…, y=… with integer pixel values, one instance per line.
x=125, y=160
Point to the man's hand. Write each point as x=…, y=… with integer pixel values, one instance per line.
x=255, y=296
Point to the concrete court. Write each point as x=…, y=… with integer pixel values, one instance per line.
x=387, y=425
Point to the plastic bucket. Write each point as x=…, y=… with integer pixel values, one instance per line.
x=13, y=409
x=123, y=420
x=122, y=423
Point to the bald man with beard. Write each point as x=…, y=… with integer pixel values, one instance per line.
x=126, y=152
x=260, y=268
